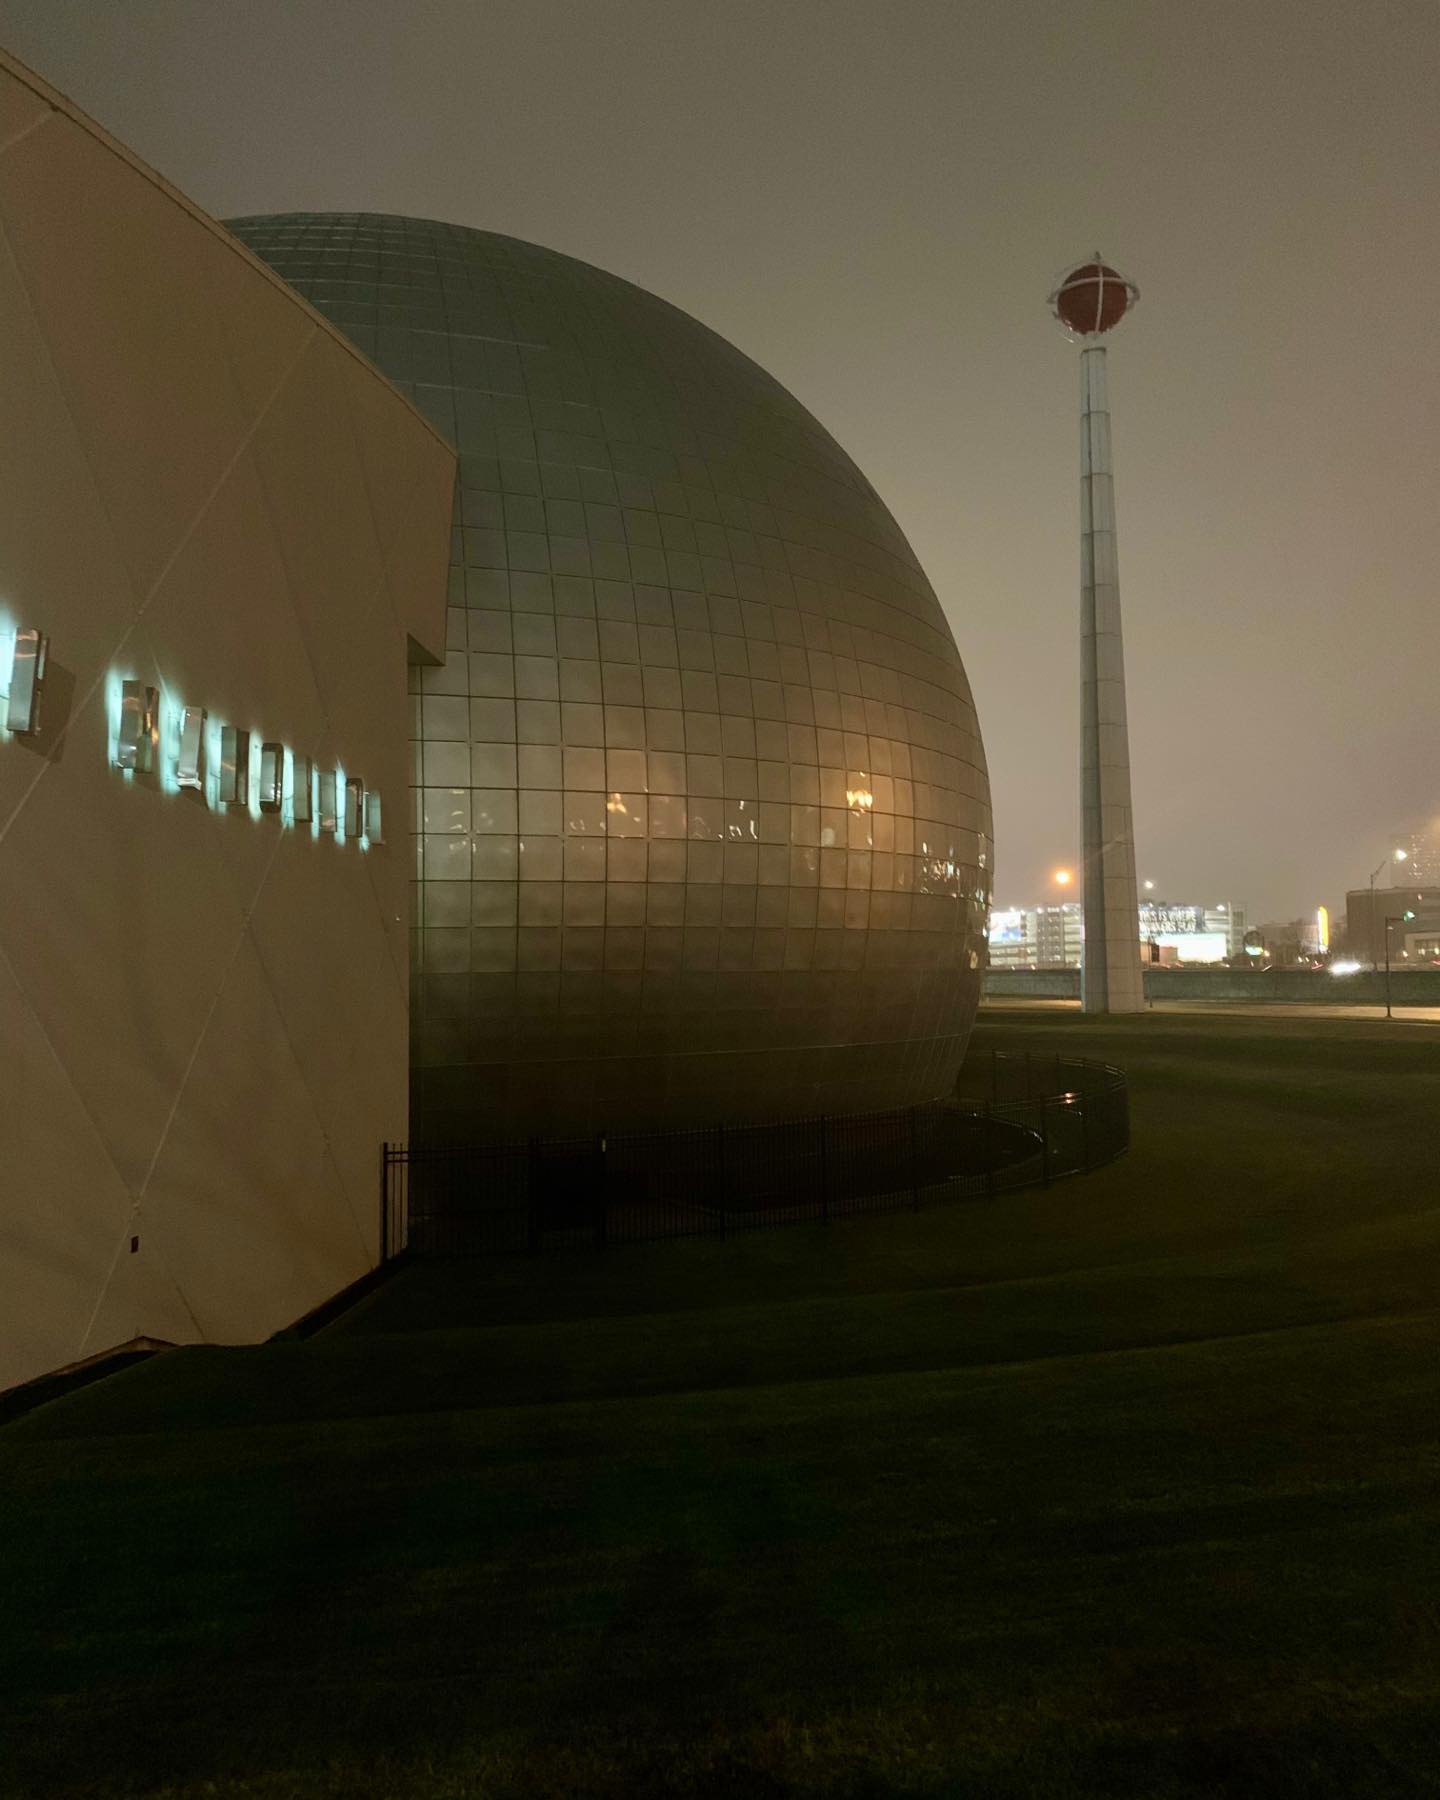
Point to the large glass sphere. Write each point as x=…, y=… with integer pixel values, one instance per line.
x=702, y=822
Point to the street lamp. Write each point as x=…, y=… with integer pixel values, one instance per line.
x=1398, y=856
x=1391, y=919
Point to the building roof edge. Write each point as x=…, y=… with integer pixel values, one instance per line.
x=62, y=104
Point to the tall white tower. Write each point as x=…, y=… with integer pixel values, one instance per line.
x=1091, y=300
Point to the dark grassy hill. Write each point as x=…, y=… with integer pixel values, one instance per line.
x=1125, y=1487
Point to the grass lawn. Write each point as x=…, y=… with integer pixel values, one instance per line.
x=1127, y=1487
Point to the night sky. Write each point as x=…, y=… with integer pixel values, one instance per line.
x=873, y=201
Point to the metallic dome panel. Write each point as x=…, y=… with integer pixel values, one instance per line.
x=702, y=820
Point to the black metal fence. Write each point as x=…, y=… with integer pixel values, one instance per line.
x=1041, y=1119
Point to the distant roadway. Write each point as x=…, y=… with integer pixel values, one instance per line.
x=1299, y=1009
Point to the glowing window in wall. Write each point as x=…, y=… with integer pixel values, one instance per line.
x=272, y=776
x=302, y=791
x=354, y=807
x=329, y=810
x=171, y=726
x=234, y=771
x=139, y=727
x=24, y=678
x=190, y=767
x=151, y=732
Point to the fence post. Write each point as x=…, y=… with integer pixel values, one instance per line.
x=824, y=1172
x=1085, y=1124
x=532, y=1196
x=1044, y=1143
x=720, y=1158
x=914, y=1165
x=384, y=1204
x=1029, y=1079
x=994, y=1074
x=602, y=1231
x=990, y=1148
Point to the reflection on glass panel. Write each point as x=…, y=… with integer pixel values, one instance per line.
x=495, y=859
x=493, y=810
x=446, y=858
x=445, y=809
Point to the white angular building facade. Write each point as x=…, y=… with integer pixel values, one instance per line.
x=213, y=506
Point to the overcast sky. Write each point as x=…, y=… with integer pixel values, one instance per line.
x=872, y=198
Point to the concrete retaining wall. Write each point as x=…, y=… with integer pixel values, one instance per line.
x=1316, y=987
x=1032, y=984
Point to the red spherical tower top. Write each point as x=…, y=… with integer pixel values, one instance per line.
x=1093, y=298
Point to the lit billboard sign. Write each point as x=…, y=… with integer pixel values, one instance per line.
x=1193, y=946
x=1180, y=921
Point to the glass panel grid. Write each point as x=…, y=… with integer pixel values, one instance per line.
x=703, y=822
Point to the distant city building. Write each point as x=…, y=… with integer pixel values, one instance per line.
x=1416, y=939
x=1196, y=934
x=1060, y=935
x=1053, y=937
x=1420, y=865
x=1315, y=937
x=1282, y=943
x=1037, y=937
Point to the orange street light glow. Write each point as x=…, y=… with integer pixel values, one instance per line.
x=1064, y=877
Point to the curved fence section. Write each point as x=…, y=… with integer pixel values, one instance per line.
x=1038, y=1119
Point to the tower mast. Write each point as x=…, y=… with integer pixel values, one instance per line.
x=1090, y=301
